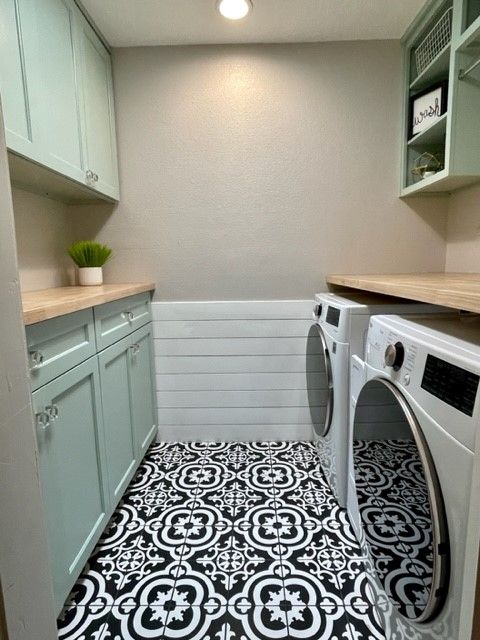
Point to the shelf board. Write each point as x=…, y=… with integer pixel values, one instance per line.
x=441, y=182
x=436, y=70
x=435, y=134
x=470, y=38
x=455, y=290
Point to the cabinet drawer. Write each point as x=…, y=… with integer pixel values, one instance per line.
x=115, y=320
x=57, y=345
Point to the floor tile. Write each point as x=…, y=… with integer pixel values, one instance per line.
x=245, y=620
x=316, y=623
x=83, y=623
x=365, y=625
x=234, y=498
x=216, y=541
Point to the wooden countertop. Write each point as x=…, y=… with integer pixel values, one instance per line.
x=455, y=290
x=50, y=303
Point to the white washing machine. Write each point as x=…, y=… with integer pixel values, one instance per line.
x=339, y=331
x=413, y=434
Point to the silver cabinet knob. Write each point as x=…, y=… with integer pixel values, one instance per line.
x=130, y=316
x=42, y=420
x=135, y=348
x=52, y=411
x=95, y=177
x=36, y=358
x=89, y=174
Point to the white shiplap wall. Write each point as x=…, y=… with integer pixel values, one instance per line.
x=232, y=370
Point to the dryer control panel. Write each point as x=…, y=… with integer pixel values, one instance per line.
x=438, y=377
x=454, y=385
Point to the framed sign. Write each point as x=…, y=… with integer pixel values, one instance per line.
x=427, y=107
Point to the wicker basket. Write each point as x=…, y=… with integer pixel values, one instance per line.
x=434, y=42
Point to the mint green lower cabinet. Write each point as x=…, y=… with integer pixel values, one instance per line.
x=143, y=400
x=72, y=469
x=115, y=363
x=94, y=423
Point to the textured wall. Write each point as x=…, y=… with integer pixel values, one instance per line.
x=463, y=238
x=44, y=231
x=250, y=172
x=24, y=571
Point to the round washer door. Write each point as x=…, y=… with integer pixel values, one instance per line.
x=319, y=381
x=401, y=506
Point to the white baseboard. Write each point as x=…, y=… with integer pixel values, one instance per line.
x=230, y=433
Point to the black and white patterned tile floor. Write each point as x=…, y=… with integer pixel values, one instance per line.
x=225, y=541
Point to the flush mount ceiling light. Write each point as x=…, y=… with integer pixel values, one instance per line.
x=234, y=9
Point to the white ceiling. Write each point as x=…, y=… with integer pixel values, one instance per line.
x=128, y=23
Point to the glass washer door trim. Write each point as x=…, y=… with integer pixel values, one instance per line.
x=317, y=332
x=440, y=545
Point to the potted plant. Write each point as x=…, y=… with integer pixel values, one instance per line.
x=89, y=257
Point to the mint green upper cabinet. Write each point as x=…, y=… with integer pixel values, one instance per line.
x=60, y=108
x=57, y=91
x=114, y=365
x=72, y=463
x=142, y=376
x=18, y=40
x=98, y=112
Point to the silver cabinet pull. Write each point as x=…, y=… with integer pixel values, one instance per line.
x=42, y=420
x=130, y=316
x=135, y=348
x=36, y=358
x=95, y=177
x=52, y=411
x=89, y=174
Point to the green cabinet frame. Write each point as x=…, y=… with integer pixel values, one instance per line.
x=95, y=418
x=457, y=134
x=142, y=368
x=115, y=376
x=72, y=461
x=56, y=80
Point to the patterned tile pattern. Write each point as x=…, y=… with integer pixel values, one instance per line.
x=394, y=506
x=225, y=541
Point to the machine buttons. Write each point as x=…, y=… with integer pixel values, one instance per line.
x=394, y=355
x=406, y=379
x=317, y=310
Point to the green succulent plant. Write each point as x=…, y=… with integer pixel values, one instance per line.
x=89, y=254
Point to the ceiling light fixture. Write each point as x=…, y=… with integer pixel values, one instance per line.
x=234, y=9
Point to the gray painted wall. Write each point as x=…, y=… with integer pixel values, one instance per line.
x=463, y=238
x=250, y=172
x=44, y=229
x=24, y=571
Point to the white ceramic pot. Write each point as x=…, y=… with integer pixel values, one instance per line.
x=88, y=276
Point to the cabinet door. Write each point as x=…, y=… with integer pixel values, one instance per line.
x=98, y=112
x=59, y=108
x=143, y=399
x=18, y=40
x=72, y=469
x=116, y=401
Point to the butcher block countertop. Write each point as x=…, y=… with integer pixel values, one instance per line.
x=456, y=290
x=50, y=303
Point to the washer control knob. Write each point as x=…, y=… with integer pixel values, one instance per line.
x=394, y=355
x=317, y=310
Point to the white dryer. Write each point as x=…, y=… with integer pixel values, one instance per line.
x=339, y=331
x=413, y=434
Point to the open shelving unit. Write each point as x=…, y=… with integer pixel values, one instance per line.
x=454, y=138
